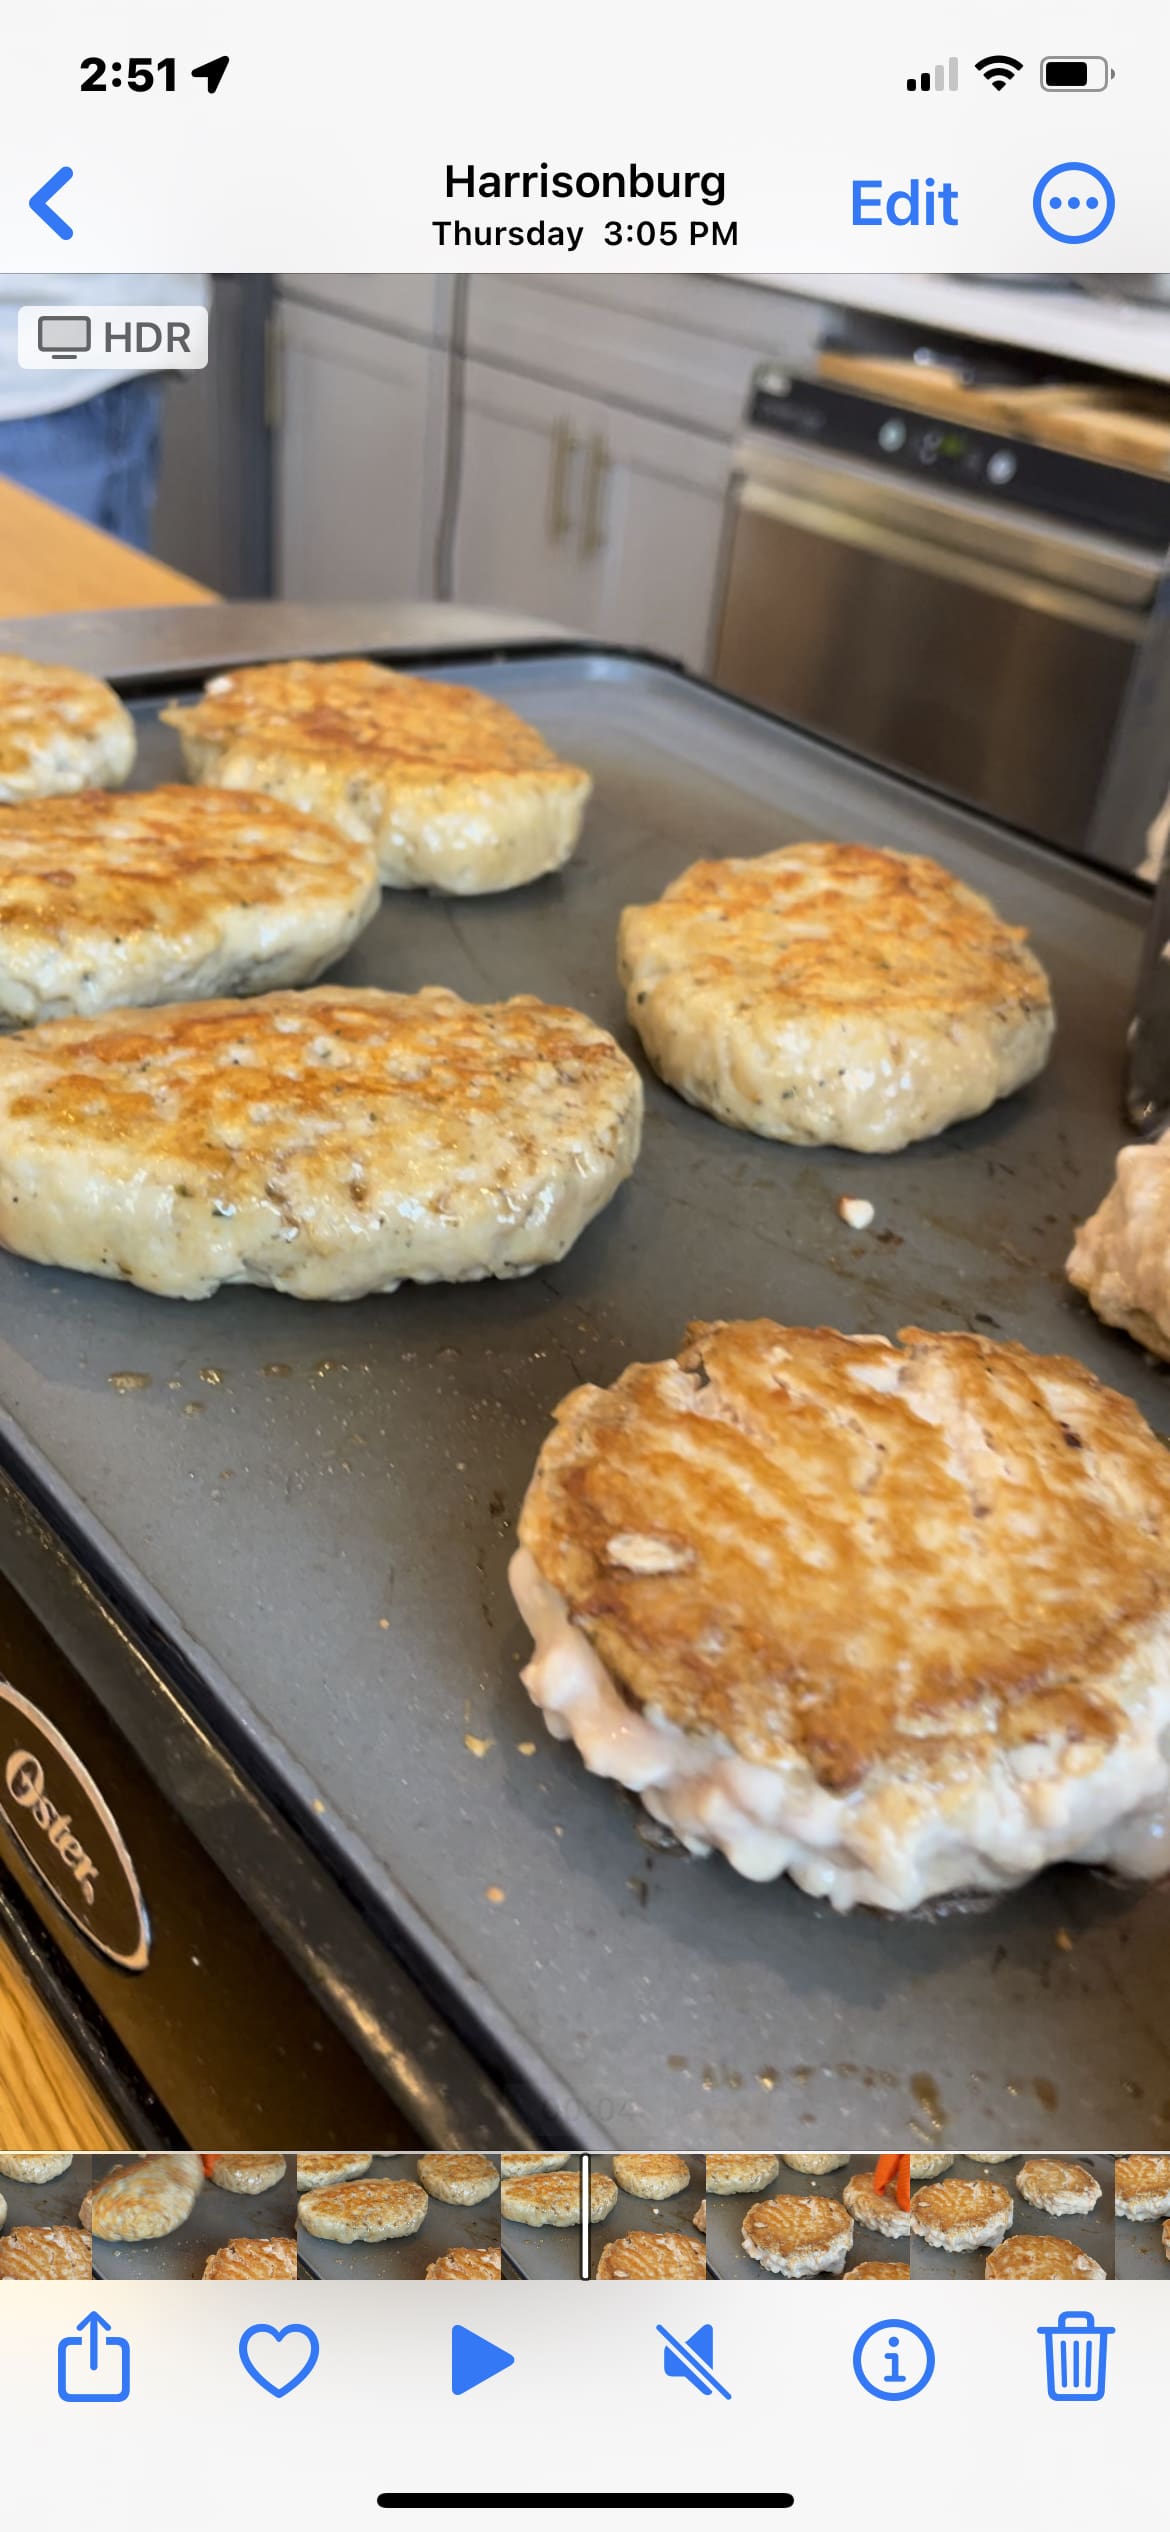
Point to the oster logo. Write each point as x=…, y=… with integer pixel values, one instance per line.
x=66, y=1831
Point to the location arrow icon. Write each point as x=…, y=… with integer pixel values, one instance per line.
x=212, y=72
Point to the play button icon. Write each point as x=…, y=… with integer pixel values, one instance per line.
x=475, y=2360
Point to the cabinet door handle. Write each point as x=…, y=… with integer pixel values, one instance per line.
x=564, y=450
x=593, y=528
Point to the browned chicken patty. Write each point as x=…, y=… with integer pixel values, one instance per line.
x=1121, y=1256
x=328, y=1144
x=173, y=895
x=894, y=2272
x=540, y=2198
x=363, y=2210
x=452, y=789
x=321, y=2171
x=461, y=2180
x=253, y=2260
x=798, y=2237
x=246, y=2175
x=877, y=2211
x=35, y=2252
x=145, y=2200
x=467, y=2267
x=513, y=2166
x=655, y=2176
x=1142, y=2186
x=961, y=2215
x=34, y=2169
x=894, y=1619
x=834, y=993
x=727, y=2174
x=60, y=730
x=1061, y=2188
x=661, y=2255
x=1041, y=2255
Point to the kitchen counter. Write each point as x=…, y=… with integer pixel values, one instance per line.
x=1130, y=337
x=49, y=561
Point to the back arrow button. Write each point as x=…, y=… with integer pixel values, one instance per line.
x=41, y=199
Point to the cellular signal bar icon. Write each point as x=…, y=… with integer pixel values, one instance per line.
x=936, y=78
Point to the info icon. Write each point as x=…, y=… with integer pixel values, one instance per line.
x=893, y=2359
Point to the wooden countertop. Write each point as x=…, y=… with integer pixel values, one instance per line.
x=51, y=564
x=46, y=2097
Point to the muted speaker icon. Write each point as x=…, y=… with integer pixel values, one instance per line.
x=694, y=2359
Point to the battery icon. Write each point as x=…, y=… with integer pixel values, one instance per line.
x=1070, y=73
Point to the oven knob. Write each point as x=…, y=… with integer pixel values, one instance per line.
x=892, y=435
x=1001, y=466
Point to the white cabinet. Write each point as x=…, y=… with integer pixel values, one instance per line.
x=358, y=449
x=606, y=519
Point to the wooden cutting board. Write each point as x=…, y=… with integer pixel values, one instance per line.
x=1100, y=422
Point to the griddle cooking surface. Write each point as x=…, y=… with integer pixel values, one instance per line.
x=316, y=1505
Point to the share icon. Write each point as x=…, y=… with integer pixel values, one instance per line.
x=693, y=2358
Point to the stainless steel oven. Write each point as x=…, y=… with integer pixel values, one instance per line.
x=955, y=606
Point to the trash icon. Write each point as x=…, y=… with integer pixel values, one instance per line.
x=1075, y=2352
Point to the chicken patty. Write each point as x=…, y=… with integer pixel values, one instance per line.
x=1121, y=1256
x=60, y=730
x=453, y=790
x=834, y=993
x=327, y=1144
x=894, y=1619
x=170, y=896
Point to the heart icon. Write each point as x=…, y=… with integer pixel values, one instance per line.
x=271, y=2372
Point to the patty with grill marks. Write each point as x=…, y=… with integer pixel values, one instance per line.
x=894, y=1619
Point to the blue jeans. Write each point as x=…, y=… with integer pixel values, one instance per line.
x=98, y=459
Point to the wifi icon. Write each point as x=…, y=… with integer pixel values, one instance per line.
x=998, y=68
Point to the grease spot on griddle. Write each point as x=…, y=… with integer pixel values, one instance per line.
x=195, y=1406
x=1046, y=2093
x=276, y=1371
x=125, y=1381
x=212, y=1377
x=926, y=2094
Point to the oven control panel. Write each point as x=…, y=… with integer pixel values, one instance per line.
x=1113, y=500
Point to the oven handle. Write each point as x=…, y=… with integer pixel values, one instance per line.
x=940, y=561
